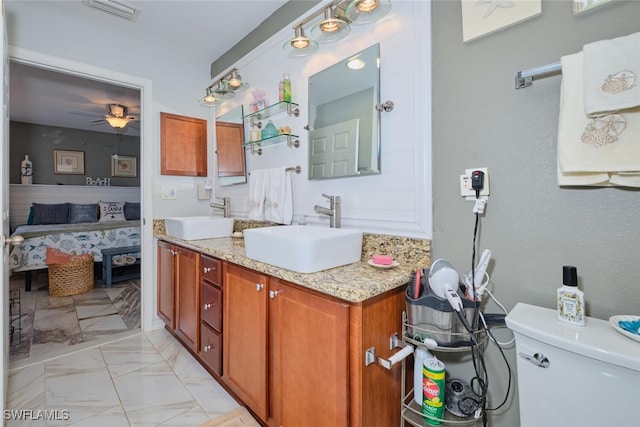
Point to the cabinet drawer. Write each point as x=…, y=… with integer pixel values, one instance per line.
x=211, y=348
x=211, y=270
x=211, y=305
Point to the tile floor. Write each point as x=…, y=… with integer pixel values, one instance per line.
x=147, y=379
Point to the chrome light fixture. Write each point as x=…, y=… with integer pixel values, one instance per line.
x=118, y=116
x=335, y=25
x=300, y=44
x=223, y=88
x=366, y=11
x=331, y=28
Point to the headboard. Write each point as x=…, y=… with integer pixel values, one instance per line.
x=21, y=197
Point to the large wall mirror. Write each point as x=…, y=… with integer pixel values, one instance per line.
x=232, y=166
x=344, y=123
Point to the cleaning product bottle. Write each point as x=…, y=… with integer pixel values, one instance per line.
x=570, y=298
x=281, y=91
x=419, y=355
x=286, y=88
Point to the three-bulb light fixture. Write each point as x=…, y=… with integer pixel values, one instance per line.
x=335, y=25
x=223, y=89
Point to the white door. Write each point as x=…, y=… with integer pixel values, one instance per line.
x=334, y=150
x=4, y=208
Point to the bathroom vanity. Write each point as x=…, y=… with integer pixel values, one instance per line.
x=290, y=346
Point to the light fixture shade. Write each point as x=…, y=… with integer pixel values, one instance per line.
x=235, y=82
x=118, y=122
x=221, y=91
x=330, y=29
x=209, y=100
x=366, y=11
x=300, y=45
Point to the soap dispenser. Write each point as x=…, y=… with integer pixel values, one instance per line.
x=570, y=298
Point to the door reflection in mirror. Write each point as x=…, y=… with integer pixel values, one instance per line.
x=344, y=124
x=232, y=165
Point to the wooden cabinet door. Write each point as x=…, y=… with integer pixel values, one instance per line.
x=188, y=296
x=166, y=278
x=183, y=145
x=229, y=148
x=309, y=358
x=245, y=336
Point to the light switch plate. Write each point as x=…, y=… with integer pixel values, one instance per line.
x=203, y=193
x=169, y=192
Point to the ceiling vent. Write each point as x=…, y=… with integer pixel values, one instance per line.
x=115, y=7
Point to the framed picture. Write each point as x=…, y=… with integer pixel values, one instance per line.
x=124, y=166
x=68, y=162
x=580, y=6
x=483, y=17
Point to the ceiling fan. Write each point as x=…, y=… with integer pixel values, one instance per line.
x=117, y=116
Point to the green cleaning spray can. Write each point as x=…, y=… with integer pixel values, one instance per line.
x=433, y=385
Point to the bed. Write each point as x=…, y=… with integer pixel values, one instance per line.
x=80, y=231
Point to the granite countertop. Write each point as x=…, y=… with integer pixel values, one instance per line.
x=353, y=283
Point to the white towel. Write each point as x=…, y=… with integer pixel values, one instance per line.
x=278, y=205
x=257, y=194
x=611, y=75
x=603, y=145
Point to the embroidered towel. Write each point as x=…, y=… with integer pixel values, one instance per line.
x=611, y=73
x=602, y=145
x=278, y=205
x=257, y=194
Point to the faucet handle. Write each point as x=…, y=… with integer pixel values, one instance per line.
x=331, y=198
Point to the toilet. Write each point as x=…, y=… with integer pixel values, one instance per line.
x=571, y=376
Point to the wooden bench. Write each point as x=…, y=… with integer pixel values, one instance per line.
x=108, y=266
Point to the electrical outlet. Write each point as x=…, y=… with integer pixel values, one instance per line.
x=169, y=192
x=465, y=184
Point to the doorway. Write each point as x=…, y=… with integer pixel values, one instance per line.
x=143, y=87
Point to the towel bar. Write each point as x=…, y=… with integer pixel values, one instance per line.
x=525, y=78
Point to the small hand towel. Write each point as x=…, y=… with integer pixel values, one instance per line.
x=257, y=194
x=278, y=206
x=611, y=74
x=602, y=145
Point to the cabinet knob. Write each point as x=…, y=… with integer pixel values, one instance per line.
x=209, y=269
x=206, y=348
x=208, y=306
x=273, y=294
x=259, y=287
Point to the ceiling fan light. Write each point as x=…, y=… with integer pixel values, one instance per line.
x=300, y=45
x=118, y=122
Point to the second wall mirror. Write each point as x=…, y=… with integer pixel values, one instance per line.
x=344, y=123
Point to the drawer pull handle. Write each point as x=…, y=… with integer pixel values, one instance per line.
x=208, y=306
x=537, y=359
x=273, y=294
x=206, y=348
x=209, y=269
x=259, y=287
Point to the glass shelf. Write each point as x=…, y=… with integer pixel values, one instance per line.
x=281, y=107
x=278, y=139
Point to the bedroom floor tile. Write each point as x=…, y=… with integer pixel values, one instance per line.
x=51, y=326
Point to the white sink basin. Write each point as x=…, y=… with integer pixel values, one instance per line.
x=303, y=248
x=198, y=227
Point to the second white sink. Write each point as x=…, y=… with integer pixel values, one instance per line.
x=198, y=227
x=303, y=248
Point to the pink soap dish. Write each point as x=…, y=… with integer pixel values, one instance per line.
x=382, y=259
x=394, y=264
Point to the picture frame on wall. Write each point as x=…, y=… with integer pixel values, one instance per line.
x=124, y=166
x=68, y=162
x=580, y=6
x=481, y=18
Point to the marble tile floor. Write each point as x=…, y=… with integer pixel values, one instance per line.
x=51, y=326
x=147, y=379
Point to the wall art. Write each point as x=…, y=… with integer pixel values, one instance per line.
x=483, y=17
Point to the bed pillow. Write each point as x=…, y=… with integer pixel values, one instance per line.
x=50, y=214
x=83, y=213
x=132, y=211
x=30, y=219
x=111, y=211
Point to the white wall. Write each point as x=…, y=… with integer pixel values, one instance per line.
x=399, y=200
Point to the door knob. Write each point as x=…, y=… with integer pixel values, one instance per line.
x=15, y=240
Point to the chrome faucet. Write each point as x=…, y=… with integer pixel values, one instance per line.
x=333, y=211
x=225, y=206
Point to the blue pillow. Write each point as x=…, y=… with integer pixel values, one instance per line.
x=50, y=214
x=132, y=211
x=83, y=213
x=30, y=219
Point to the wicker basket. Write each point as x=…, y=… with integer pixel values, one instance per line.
x=71, y=278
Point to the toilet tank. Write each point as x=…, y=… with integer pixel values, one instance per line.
x=574, y=375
